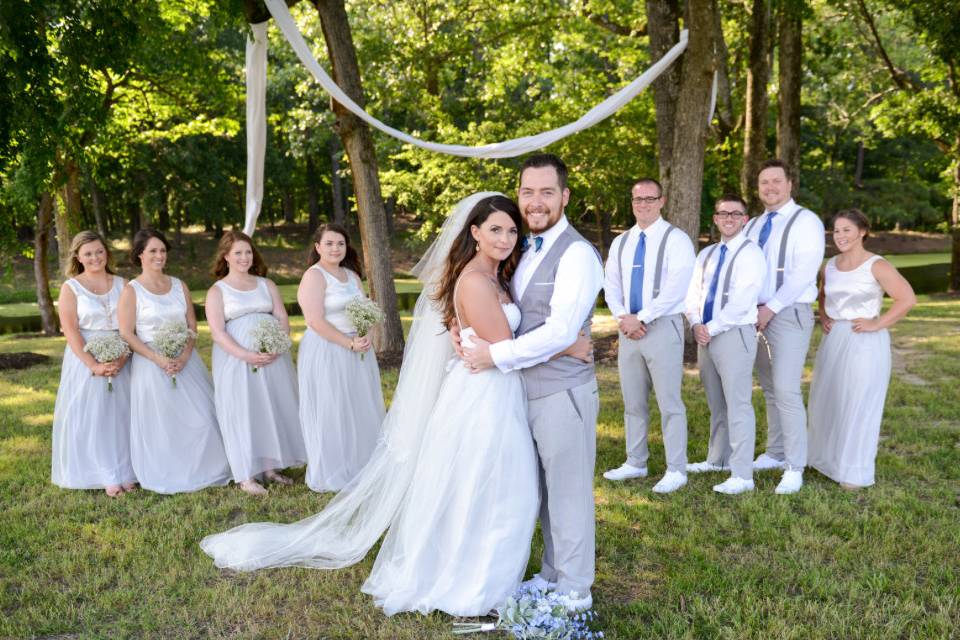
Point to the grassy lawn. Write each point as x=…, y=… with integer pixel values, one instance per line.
x=880, y=563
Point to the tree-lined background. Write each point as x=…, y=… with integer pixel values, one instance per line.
x=120, y=115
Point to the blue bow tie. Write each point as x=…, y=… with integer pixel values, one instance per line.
x=537, y=243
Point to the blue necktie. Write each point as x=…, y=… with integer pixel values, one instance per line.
x=537, y=243
x=636, y=277
x=712, y=294
x=767, y=226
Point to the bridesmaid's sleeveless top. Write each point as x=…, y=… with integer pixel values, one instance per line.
x=852, y=294
x=238, y=303
x=97, y=312
x=153, y=310
x=336, y=298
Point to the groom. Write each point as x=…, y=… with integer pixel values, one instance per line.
x=556, y=286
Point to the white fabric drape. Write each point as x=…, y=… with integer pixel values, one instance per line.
x=506, y=149
x=256, y=122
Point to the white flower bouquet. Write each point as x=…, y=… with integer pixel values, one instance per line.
x=530, y=614
x=171, y=338
x=108, y=347
x=363, y=313
x=268, y=337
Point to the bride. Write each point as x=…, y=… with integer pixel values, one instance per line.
x=454, y=477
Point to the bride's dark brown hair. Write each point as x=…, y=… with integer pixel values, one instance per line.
x=465, y=248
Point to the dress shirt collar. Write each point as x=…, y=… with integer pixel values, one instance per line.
x=734, y=243
x=550, y=235
x=788, y=207
x=655, y=230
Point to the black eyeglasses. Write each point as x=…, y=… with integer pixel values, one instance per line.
x=645, y=199
x=730, y=214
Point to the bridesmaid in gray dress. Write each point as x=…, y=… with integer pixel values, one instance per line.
x=341, y=401
x=91, y=423
x=256, y=393
x=175, y=443
x=852, y=369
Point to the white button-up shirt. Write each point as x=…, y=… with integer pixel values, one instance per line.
x=805, y=247
x=746, y=282
x=678, y=260
x=579, y=279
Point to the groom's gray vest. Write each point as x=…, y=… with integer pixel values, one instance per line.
x=565, y=372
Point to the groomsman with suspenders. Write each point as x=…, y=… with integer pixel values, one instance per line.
x=647, y=274
x=722, y=310
x=792, y=239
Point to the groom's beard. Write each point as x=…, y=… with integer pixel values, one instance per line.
x=539, y=211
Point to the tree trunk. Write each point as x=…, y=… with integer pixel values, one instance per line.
x=41, y=241
x=163, y=213
x=955, y=260
x=336, y=184
x=604, y=222
x=690, y=125
x=758, y=76
x=289, y=207
x=791, y=77
x=858, y=171
x=98, y=204
x=363, y=164
x=67, y=214
x=313, y=195
x=662, y=25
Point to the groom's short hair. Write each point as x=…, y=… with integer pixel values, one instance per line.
x=540, y=160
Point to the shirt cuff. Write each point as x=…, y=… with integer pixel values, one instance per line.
x=502, y=355
x=644, y=316
x=775, y=305
x=713, y=328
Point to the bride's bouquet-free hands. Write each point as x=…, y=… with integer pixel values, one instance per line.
x=170, y=340
x=363, y=313
x=106, y=349
x=269, y=337
x=530, y=614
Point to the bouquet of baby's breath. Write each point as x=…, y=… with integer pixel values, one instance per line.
x=530, y=614
x=108, y=347
x=171, y=338
x=363, y=313
x=268, y=337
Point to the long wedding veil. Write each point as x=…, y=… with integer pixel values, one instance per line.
x=353, y=521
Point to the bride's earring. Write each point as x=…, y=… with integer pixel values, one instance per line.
x=478, y=247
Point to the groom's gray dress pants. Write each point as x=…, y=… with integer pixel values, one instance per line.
x=655, y=362
x=780, y=373
x=564, y=427
x=726, y=370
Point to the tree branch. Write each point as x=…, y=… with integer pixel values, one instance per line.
x=899, y=76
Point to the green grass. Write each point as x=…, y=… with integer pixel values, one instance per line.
x=879, y=563
x=901, y=260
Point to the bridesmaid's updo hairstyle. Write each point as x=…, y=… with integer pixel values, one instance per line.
x=140, y=241
x=350, y=261
x=857, y=217
x=220, y=268
x=465, y=248
x=74, y=267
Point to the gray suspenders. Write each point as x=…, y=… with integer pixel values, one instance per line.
x=726, y=278
x=782, y=258
x=660, y=252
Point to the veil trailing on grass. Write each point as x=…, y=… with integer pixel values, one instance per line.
x=355, y=518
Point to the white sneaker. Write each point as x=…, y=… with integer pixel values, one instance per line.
x=764, y=462
x=790, y=483
x=625, y=472
x=704, y=467
x=733, y=485
x=574, y=603
x=539, y=583
x=670, y=482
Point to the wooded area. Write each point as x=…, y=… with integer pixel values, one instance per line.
x=116, y=116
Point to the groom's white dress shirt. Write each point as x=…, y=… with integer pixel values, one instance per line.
x=579, y=279
x=678, y=260
x=746, y=281
x=804, y=255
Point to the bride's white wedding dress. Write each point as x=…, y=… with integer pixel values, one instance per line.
x=453, y=478
x=461, y=542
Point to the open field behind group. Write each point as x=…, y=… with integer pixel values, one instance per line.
x=879, y=563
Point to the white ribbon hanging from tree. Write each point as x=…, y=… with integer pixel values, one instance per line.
x=256, y=122
x=256, y=133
